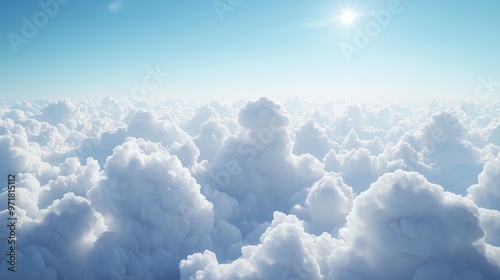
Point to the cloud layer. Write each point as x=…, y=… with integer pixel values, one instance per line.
x=170, y=189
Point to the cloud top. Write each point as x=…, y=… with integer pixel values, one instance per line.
x=251, y=190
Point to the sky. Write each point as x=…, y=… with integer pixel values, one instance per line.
x=241, y=49
x=144, y=185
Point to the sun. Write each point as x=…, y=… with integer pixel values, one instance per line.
x=347, y=17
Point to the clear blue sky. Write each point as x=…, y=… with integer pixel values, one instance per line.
x=280, y=48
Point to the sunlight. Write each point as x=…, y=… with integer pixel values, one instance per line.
x=347, y=17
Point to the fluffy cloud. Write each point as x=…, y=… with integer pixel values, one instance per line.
x=406, y=228
x=62, y=111
x=153, y=208
x=313, y=140
x=487, y=192
x=257, y=169
x=285, y=250
x=403, y=227
x=327, y=204
x=169, y=189
x=58, y=242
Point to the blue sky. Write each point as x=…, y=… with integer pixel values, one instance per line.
x=90, y=49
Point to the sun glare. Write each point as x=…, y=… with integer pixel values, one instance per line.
x=347, y=17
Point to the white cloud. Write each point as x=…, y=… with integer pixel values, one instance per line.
x=312, y=139
x=403, y=227
x=168, y=189
x=327, y=204
x=487, y=192
x=62, y=111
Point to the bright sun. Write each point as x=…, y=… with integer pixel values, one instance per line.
x=347, y=17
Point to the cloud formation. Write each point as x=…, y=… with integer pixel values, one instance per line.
x=251, y=190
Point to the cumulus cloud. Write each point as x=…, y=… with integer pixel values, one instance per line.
x=486, y=193
x=328, y=202
x=173, y=189
x=313, y=140
x=403, y=227
x=62, y=111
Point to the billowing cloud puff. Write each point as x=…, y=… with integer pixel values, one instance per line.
x=327, y=204
x=285, y=252
x=487, y=192
x=153, y=208
x=406, y=228
x=57, y=244
x=257, y=168
x=62, y=111
x=203, y=114
x=72, y=178
x=20, y=155
x=312, y=139
x=439, y=148
x=144, y=124
x=210, y=138
x=359, y=168
x=490, y=222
